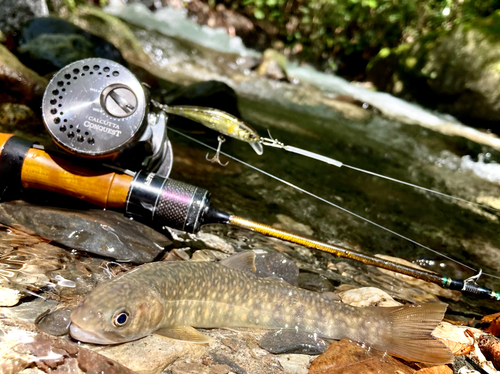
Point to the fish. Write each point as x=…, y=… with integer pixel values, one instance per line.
x=171, y=299
x=219, y=121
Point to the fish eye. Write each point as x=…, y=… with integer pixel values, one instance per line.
x=120, y=318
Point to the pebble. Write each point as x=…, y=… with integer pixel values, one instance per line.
x=314, y=282
x=276, y=265
x=367, y=296
x=292, y=341
x=296, y=364
x=9, y=297
x=55, y=323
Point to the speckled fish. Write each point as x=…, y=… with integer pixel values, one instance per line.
x=220, y=121
x=171, y=298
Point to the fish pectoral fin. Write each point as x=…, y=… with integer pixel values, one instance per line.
x=184, y=333
x=244, y=261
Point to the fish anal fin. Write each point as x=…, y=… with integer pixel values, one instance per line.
x=184, y=333
x=244, y=261
x=412, y=326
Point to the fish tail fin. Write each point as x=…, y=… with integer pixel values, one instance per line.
x=411, y=338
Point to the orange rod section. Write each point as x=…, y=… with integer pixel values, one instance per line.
x=44, y=171
x=334, y=249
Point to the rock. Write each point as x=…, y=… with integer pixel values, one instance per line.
x=225, y=360
x=292, y=341
x=494, y=323
x=367, y=296
x=276, y=265
x=212, y=94
x=49, y=53
x=295, y=364
x=290, y=224
x=314, y=282
x=9, y=297
x=346, y=357
x=55, y=323
x=455, y=72
x=429, y=287
x=152, y=354
x=47, y=44
x=188, y=368
x=24, y=346
x=14, y=13
x=273, y=65
x=19, y=84
x=105, y=233
x=112, y=29
x=15, y=116
x=490, y=346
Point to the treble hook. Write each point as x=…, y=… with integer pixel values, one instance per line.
x=216, y=158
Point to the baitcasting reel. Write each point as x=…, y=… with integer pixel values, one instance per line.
x=97, y=109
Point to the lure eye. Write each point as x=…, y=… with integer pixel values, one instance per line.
x=120, y=318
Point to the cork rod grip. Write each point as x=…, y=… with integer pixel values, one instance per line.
x=47, y=172
x=43, y=171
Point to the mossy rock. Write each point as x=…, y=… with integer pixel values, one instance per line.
x=457, y=72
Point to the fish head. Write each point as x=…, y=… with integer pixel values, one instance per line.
x=117, y=312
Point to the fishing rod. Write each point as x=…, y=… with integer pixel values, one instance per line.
x=97, y=113
x=161, y=201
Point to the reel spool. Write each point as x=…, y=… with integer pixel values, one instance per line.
x=97, y=109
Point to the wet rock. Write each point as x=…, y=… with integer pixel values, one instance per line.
x=189, y=368
x=47, y=44
x=276, y=265
x=288, y=223
x=18, y=116
x=346, y=357
x=367, y=296
x=212, y=94
x=225, y=360
x=296, y=364
x=454, y=72
x=55, y=323
x=9, y=297
x=151, y=354
x=490, y=346
x=208, y=255
x=105, y=233
x=273, y=65
x=49, y=53
x=314, y=282
x=14, y=13
x=426, y=286
x=29, y=311
x=24, y=347
x=19, y=84
x=463, y=365
x=292, y=341
x=112, y=29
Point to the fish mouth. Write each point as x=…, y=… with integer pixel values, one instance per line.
x=78, y=333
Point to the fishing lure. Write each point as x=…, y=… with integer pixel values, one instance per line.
x=229, y=125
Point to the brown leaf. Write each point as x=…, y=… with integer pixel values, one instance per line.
x=346, y=357
x=490, y=346
x=441, y=369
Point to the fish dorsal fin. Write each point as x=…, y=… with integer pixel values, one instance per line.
x=244, y=261
x=184, y=333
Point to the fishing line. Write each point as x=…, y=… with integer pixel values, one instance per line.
x=332, y=204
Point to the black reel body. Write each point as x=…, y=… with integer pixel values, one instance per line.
x=97, y=109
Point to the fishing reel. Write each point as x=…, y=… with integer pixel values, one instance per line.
x=97, y=109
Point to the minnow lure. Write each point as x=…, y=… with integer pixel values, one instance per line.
x=229, y=125
x=172, y=298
